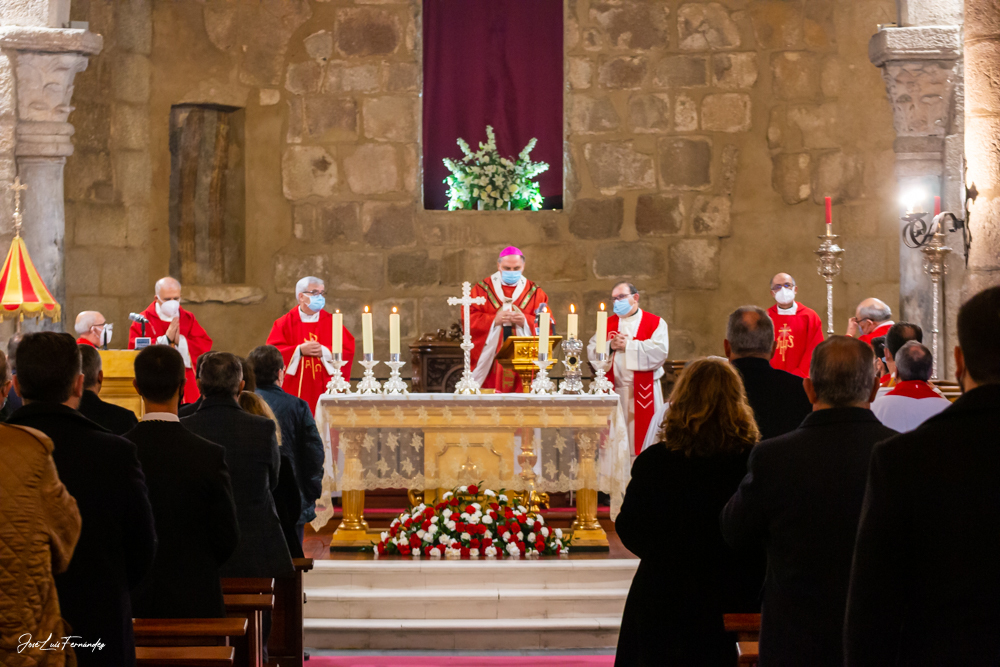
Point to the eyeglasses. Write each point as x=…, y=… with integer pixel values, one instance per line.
x=775, y=288
x=315, y=293
x=621, y=297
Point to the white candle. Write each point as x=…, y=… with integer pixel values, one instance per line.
x=338, y=332
x=394, y=331
x=572, y=323
x=366, y=332
x=602, y=331
x=543, y=333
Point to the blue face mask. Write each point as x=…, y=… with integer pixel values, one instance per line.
x=622, y=308
x=510, y=277
x=316, y=302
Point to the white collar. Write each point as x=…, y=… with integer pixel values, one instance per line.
x=634, y=317
x=160, y=417
x=789, y=311
x=159, y=313
x=498, y=287
x=307, y=319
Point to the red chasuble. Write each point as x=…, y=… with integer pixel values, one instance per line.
x=528, y=300
x=198, y=342
x=642, y=381
x=881, y=330
x=797, y=336
x=311, y=378
x=84, y=341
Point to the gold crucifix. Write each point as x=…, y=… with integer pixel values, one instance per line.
x=18, y=187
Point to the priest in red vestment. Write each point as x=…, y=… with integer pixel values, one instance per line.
x=872, y=318
x=797, y=328
x=92, y=329
x=304, y=336
x=169, y=324
x=638, y=344
x=511, y=309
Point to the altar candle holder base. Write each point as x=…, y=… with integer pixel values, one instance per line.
x=572, y=381
x=395, y=384
x=600, y=385
x=369, y=385
x=337, y=384
x=467, y=385
x=542, y=384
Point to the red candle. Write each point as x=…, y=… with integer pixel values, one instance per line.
x=829, y=210
x=937, y=206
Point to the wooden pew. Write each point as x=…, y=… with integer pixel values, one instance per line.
x=746, y=626
x=250, y=606
x=183, y=656
x=285, y=648
x=247, y=586
x=187, y=631
x=747, y=652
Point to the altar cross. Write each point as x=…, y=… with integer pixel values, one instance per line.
x=466, y=302
x=17, y=186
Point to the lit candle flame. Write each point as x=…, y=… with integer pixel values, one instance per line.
x=366, y=309
x=602, y=306
x=572, y=308
x=338, y=310
x=394, y=309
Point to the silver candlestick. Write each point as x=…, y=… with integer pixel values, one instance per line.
x=468, y=384
x=935, y=252
x=395, y=384
x=572, y=383
x=600, y=385
x=829, y=258
x=369, y=385
x=542, y=384
x=337, y=383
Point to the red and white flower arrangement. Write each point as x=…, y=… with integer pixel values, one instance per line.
x=471, y=523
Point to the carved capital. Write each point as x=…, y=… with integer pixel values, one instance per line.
x=920, y=92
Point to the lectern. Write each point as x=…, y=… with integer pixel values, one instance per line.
x=520, y=352
x=119, y=371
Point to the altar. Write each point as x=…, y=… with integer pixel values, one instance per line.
x=431, y=443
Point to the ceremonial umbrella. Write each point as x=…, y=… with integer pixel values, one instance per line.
x=22, y=291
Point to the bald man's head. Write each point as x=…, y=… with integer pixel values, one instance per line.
x=842, y=373
x=168, y=288
x=873, y=310
x=783, y=290
x=90, y=325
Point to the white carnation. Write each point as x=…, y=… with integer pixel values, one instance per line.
x=491, y=551
x=435, y=519
x=559, y=533
x=444, y=539
x=531, y=537
x=420, y=533
x=487, y=520
x=435, y=552
x=502, y=498
x=466, y=536
x=384, y=536
x=474, y=553
x=490, y=493
x=513, y=550
x=530, y=522
x=545, y=532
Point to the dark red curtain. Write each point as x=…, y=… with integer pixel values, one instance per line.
x=499, y=63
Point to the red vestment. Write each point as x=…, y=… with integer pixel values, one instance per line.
x=198, y=342
x=797, y=336
x=642, y=381
x=84, y=341
x=310, y=377
x=880, y=330
x=527, y=297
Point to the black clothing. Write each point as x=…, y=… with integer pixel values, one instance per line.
x=778, y=399
x=287, y=501
x=801, y=498
x=189, y=409
x=115, y=418
x=192, y=500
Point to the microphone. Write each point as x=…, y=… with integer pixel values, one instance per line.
x=136, y=317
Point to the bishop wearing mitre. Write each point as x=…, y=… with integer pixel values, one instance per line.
x=305, y=338
x=512, y=306
x=638, y=344
x=169, y=324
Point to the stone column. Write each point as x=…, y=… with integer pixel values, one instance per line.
x=982, y=136
x=44, y=62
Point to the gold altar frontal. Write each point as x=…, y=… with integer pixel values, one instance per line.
x=431, y=443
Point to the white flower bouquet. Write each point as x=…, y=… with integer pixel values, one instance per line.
x=487, y=181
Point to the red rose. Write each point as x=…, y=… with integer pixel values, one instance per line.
x=381, y=549
x=494, y=506
x=487, y=541
x=508, y=513
x=393, y=531
x=404, y=549
x=414, y=541
x=474, y=543
x=520, y=545
x=540, y=545
x=426, y=524
x=440, y=506
x=464, y=552
x=473, y=489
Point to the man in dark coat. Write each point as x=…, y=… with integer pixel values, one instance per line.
x=188, y=409
x=298, y=428
x=801, y=498
x=778, y=400
x=191, y=494
x=253, y=460
x=101, y=470
x=115, y=418
x=925, y=582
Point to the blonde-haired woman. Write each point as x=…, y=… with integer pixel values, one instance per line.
x=688, y=577
x=287, y=498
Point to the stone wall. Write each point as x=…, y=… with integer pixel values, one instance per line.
x=701, y=139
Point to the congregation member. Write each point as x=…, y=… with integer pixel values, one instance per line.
x=115, y=418
x=881, y=367
x=912, y=400
x=170, y=324
x=304, y=336
x=6, y=388
x=102, y=472
x=13, y=401
x=687, y=577
x=801, y=498
x=39, y=528
x=92, y=329
x=798, y=329
x=872, y=318
x=925, y=581
x=187, y=409
x=287, y=498
x=191, y=495
x=511, y=309
x=299, y=436
x=638, y=343
x=898, y=335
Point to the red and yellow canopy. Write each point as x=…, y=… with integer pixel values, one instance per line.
x=22, y=291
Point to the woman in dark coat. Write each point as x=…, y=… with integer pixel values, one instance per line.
x=688, y=578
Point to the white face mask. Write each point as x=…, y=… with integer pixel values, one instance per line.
x=784, y=295
x=106, y=332
x=170, y=309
